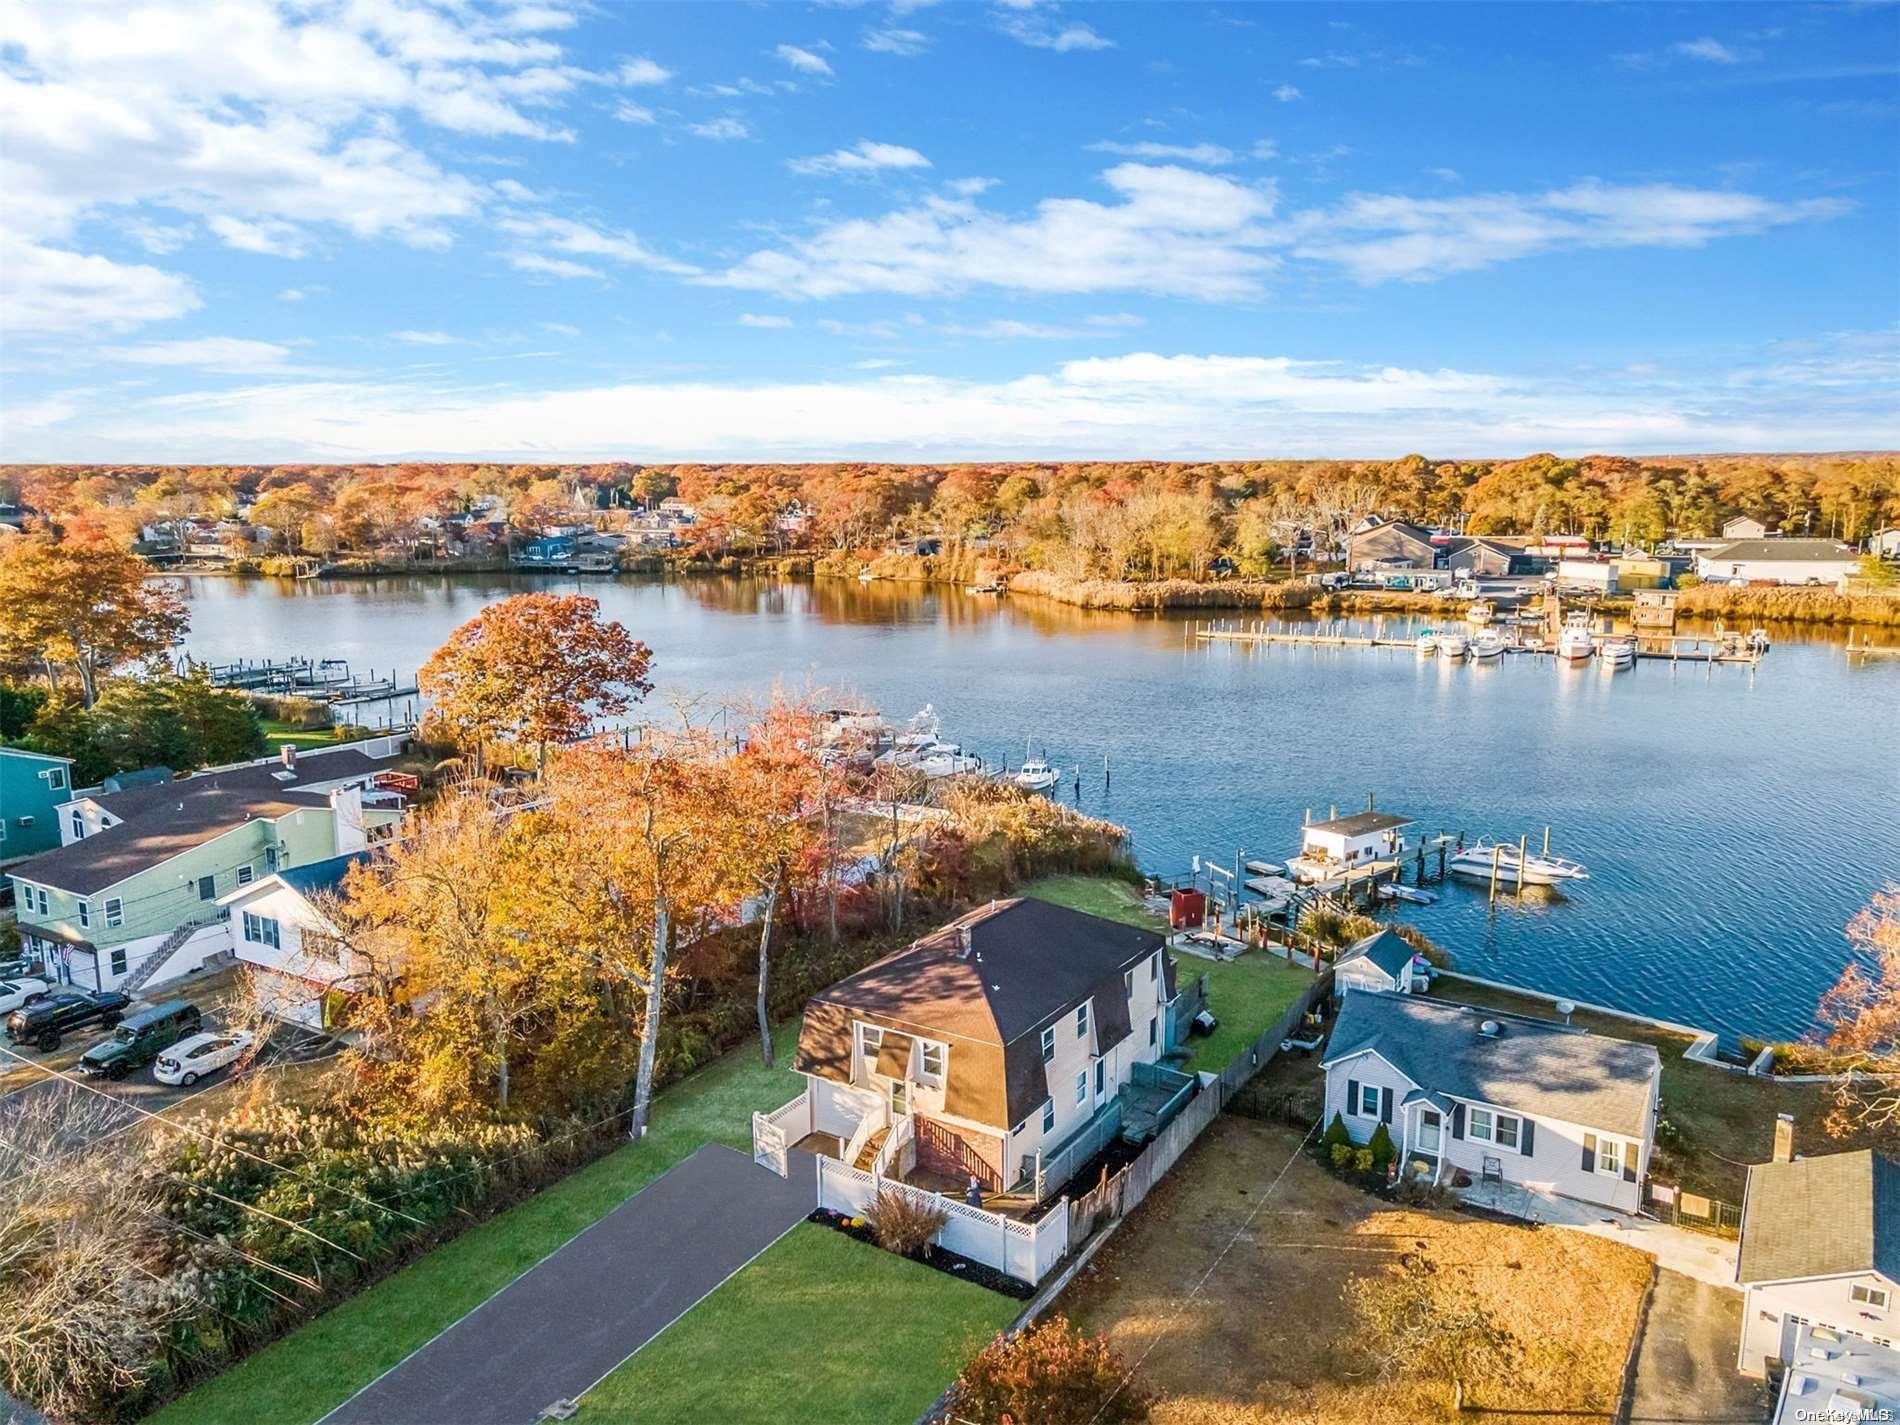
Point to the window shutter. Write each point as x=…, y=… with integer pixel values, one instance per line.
x=1589, y=1152
x=1458, y=1121
x=1526, y=1136
x=1352, y=1097
x=1385, y=1105
x=1629, y=1163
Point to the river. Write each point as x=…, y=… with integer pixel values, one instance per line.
x=1732, y=819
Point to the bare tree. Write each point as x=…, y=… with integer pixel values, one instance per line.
x=1862, y=1015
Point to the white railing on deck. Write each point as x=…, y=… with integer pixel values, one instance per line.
x=888, y=1156
x=774, y=1132
x=867, y=1125
x=1025, y=1250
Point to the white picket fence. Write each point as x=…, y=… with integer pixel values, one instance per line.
x=774, y=1132
x=1024, y=1250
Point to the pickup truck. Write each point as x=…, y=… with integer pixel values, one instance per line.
x=45, y=1020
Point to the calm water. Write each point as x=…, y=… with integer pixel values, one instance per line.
x=1732, y=820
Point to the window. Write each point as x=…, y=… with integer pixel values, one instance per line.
x=56, y=778
x=933, y=1062
x=1048, y=1044
x=244, y=875
x=870, y=1039
x=1128, y=984
x=1082, y=1020
x=1368, y=1105
x=1486, y=1126
x=270, y=858
x=1082, y=1087
x=1869, y=1296
x=85, y=914
x=261, y=930
x=79, y=825
x=1609, y=1157
x=207, y=888
x=118, y=962
x=1154, y=1021
x=1154, y=967
x=1048, y=1115
x=1507, y=1128
x=115, y=911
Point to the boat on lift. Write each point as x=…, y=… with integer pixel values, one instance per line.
x=1426, y=642
x=1576, y=642
x=1487, y=643
x=1616, y=652
x=1481, y=612
x=1392, y=891
x=1476, y=861
x=1452, y=644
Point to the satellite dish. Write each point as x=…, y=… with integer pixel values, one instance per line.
x=1566, y=1009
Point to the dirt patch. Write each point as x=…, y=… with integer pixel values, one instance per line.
x=1266, y=1341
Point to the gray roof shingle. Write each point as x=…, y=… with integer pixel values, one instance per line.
x=1359, y=823
x=1533, y=1067
x=1817, y=1217
x=1383, y=948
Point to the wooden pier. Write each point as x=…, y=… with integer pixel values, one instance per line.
x=1657, y=647
x=326, y=680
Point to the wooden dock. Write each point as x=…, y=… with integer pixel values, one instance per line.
x=1662, y=648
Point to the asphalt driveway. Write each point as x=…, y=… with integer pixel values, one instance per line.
x=566, y=1322
x=1685, y=1367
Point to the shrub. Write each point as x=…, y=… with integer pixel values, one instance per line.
x=1381, y=1147
x=1335, y=1133
x=1049, y=1374
x=902, y=1223
x=1363, y=1160
x=1341, y=1155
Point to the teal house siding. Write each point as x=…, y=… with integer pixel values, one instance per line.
x=32, y=786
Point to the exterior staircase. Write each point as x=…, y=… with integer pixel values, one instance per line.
x=167, y=948
x=867, y=1155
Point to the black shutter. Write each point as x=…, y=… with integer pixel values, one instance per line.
x=1629, y=1163
x=1526, y=1137
x=1458, y=1121
x=1352, y=1098
x=1385, y=1105
x=1589, y=1152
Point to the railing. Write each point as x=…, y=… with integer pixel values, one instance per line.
x=1024, y=1250
x=867, y=1126
x=1053, y=1170
x=1698, y=1214
x=902, y=1134
x=773, y=1132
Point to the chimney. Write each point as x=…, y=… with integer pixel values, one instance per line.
x=963, y=940
x=289, y=755
x=1784, y=1138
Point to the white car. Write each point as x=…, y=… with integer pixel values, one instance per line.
x=189, y=1060
x=16, y=994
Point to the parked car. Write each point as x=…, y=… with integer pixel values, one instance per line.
x=141, y=1038
x=44, y=1021
x=16, y=993
x=20, y=965
x=189, y=1060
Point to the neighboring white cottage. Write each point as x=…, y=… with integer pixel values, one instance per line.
x=1381, y=962
x=1778, y=561
x=1524, y=1100
x=1745, y=527
x=1820, y=1247
x=278, y=929
x=1885, y=542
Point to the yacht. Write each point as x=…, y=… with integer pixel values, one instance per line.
x=1576, y=642
x=1453, y=644
x=1480, y=613
x=1475, y=861
x=1035, y=775
x=1617, y=652
x=946, y=759
x=1487, y=643
x=1427, y=642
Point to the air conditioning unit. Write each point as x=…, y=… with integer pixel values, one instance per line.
x=26, y=821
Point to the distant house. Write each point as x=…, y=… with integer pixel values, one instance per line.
x=1381, y=962
x=1002, y=1037
x=1595, y=575
x=1347, y=843
x=1885, y=542
x=1779, y=561
x=33, y=786
x=1820, y=1248
x=131, y=894
x=1745, y=527
x=1489, y=557
x=302, y=974
x=1391, y=542
x=1496, y=1095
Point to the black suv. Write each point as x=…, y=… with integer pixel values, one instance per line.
x=42, y=1022
x=141, y=1038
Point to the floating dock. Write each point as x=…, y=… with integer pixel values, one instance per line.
x=326, y=680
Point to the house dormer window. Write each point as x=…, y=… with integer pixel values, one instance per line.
x=1082, y=1020
x=930, y=1070
x=1048, y=1044
x=1873, y=1296
x=870, y=1038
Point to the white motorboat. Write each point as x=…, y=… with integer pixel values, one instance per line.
x=1480, y=613
x=1576, y=642
x=1393, y=892
x=1476, y=861
x=1426, y=642
x=1487, y=643
x=1035, y=775
x=1615, y=653
x=946, y=759
x=1453, y=645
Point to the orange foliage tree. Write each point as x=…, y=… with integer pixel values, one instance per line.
x=83, y=604
x=533, y=669
x=1049, y=1374
x=1862, y=1014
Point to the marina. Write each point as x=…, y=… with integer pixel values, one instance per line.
x=1738, y=648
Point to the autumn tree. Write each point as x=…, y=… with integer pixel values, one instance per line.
x=533, y=669
x=84, y=605
x=1862, y=1016
x=1049, y=1373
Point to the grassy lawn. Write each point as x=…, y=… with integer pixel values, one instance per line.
x=1268, y=1339
x=1722, y=1120
x=278, y=734
x=1097, y=895
x=818, y=1330
x=1246, y=995
x=313, y=1370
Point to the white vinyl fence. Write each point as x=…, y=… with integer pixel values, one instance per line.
x=1027, y=1251
x=774, y=1132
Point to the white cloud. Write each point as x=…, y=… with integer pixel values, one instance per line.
x=1012, y=329
x=271, y=237
x=160, y=238
x=1173, y=231
x=1444, y=175
x=577, y=239
x=629, y=112
x=292, y=294
x=1028, y=25
x=560, y=329
x=1380, y=238
x=424, y=338
x=723, y=129
x=1145, y=404
x=227, y=354
x=862, y=157
x=766, y=323
x=538, y=265
x=1264, y=149
x=1211, y=154
x=893, y=39
x=1708, y=48
x=642, y=72
x=47, y=289
x=803, y=60
x=1286, y=93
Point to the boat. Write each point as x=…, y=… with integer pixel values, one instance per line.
x=1427, y=642
x=1476, y=861
x=1453, y=645
x=1035, y=775
x=1576, y=643
x=865, y=576
x=1391, y=891
x=946, y=759
x=1480, y=612
x=1617, y=652
x=1487, y=643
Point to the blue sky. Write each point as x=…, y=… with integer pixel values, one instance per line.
x=362, y=229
